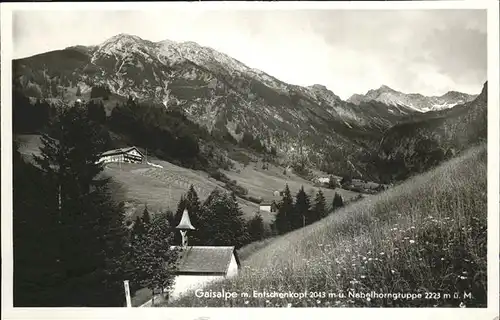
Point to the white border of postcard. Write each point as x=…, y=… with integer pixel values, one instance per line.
x=8, y=312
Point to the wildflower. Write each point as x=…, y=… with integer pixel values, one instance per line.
x=412, y=241
x=370, y=259
x=362, y=277
x=392, y=271
x=381, y=253
x=462, y=277
x=318, y=301
x=338, y=274
x=246, y=302
x=412, y=227
x=289, y=305
x=368, y=299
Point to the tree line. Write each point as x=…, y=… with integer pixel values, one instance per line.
x=70, y=240
x=296, y=214
x=167, y=134
x=73, y=246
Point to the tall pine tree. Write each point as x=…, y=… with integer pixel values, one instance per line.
x=154, y=260
x=337, y=202
x=223, y=223
x=302, y=210
x=282, y=222
x=38, y=270
x=255, y=227
x=90, y=231
x=146, y=217
x=319, y=208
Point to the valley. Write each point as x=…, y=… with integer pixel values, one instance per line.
x=161, y=188
x=228, y=98
x=402, y=206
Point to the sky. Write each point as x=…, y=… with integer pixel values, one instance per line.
x=349, y=51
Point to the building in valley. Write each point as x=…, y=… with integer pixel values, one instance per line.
x=268, y=206
x=130, y=155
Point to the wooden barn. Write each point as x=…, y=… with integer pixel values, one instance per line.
x=130, y=155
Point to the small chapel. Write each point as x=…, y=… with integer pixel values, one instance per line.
x=200, y=265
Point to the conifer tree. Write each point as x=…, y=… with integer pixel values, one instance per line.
x=319, y=207
x=337, y=202
x=223, y=222
x=35, y=238
x=138, y=229
x=90, y=227
x=255, y=227
x=282, y=221
x=302, y=210
x=154, y=259
x=146, y=217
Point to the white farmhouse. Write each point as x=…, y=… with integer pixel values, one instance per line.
x=324, y=179
x=131, y=155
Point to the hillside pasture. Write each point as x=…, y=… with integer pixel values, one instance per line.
x=262, y=183
x=161, y=188
x=425, y=235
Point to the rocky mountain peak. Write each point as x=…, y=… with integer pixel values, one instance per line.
x=318, y=87
x=123, y=38
x=321, y=89
x=384, y=88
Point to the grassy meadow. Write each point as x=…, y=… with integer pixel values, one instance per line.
x=161, y=188
x=424, y=237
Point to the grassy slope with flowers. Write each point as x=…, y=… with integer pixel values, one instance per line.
x=427, y=235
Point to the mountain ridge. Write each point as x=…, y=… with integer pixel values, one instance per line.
x=221, y=94
x=413, y=101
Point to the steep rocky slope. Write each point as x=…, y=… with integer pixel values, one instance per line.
x=223, y=94
x=416, y=145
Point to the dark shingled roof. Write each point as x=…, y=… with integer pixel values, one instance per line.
x=119, y=151
x=205, y=260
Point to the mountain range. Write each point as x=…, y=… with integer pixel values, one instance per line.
x=224, y=95
x=413, y=101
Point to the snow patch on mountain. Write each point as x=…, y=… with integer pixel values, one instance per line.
x=412, y=102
